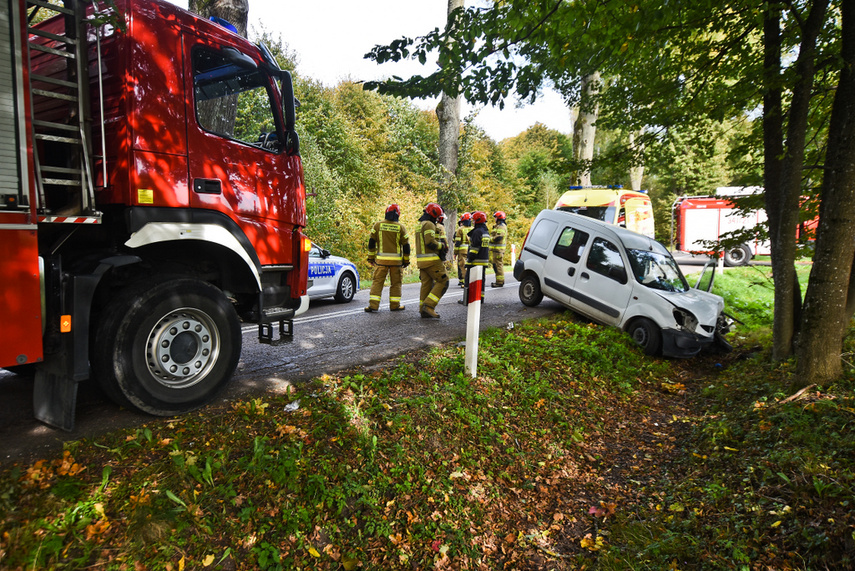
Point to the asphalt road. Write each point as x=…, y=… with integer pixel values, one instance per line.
x=329, y=338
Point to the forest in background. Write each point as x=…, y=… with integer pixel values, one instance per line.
x=362, y=151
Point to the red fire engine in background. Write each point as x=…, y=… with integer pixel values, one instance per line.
x=699, y=220
x=152, y=201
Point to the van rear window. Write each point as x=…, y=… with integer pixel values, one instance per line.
x=541, y=234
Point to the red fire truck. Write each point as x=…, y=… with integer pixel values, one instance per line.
x=699, y=220
x=152, y=202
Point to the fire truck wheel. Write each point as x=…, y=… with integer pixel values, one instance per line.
x=167, y=346
x=530, y=292
x=738, y=256
x=646, y=334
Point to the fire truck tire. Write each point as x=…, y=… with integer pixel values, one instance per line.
x=738, y=256
x=167, y=346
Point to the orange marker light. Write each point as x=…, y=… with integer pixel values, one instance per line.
x=65, y=324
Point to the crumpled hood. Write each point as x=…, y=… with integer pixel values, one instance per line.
x=703, y=305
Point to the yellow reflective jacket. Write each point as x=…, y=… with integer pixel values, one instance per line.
x=388, y=244
x=427, y=244
x=498, y=237
x=461, y=239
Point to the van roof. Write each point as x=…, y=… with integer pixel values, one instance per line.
x=631, y=240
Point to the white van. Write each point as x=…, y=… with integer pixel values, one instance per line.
x=620, y=278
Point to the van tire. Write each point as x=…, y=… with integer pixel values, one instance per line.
x=646, y=334
x=530, y=292
x=738, y=256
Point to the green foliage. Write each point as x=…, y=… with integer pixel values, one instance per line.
x=390, y=470
x=750, y=294
x=569, y=450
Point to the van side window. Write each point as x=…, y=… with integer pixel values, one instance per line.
x=571, y=244
x=605, y=259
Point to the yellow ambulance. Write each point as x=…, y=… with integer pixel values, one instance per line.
x=629, y=209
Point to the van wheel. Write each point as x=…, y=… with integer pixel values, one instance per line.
x=647, y=335
x=346, y=288
x=738, y=256
x=530, y=292
x=167, y=346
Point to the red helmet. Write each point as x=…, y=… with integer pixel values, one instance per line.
x=465, y=216
x=499, y=215
x=434, y=209
x=479, y=217
x=393, y=208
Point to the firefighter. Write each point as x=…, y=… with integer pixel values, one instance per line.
x=478, y=253
x=388, y=253
x=429, y=256
x=498, y=239
x=440, y=235
x=461, y=244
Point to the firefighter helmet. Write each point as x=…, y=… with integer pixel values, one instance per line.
x=479, y=217
x=499, y=215
x=393, y=208
x=434, y=210
x=465, y=217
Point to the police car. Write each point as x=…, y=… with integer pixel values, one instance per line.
x=331, y=276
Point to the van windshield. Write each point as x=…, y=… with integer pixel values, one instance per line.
x=657, y=271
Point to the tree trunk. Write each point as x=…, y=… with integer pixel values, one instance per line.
x=636, y=171
x=221, y=116
x=824, y=316
x=235, y=12
x=585, y=129
x=783, y=166
x=448, y=114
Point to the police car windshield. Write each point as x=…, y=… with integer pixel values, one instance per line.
x=657, y=271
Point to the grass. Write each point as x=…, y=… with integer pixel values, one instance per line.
x=570, y=450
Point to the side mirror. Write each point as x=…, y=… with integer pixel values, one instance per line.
x=238, y=58
x=289, y=113
x=325, y=253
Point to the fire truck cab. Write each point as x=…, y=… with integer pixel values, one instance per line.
x=151, y=202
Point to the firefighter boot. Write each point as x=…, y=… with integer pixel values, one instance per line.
x=428, y=312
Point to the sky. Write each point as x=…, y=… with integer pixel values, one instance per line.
x=330, y=38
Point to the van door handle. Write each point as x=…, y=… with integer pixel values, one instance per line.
x=585, y=275
x=571, y=271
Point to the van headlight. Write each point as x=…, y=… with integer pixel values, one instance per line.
x=685, y=319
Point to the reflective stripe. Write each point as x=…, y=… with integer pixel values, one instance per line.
x=433, y=298
x=428, y=257
x=374, y=298
x=394, y=300
x=389, y=257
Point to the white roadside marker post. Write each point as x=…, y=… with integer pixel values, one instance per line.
x=472, y=299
